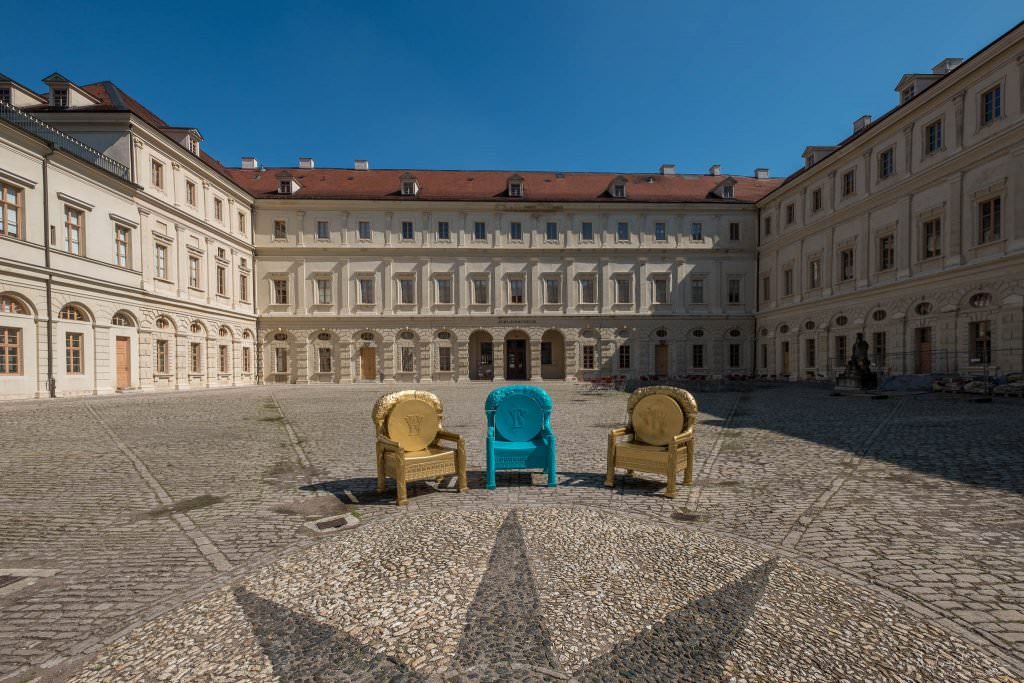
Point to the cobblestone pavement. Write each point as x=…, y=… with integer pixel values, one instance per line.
x=906, y=513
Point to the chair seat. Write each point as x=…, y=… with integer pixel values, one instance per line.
x=428, y=452
x=428, y=463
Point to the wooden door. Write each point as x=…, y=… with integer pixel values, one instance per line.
x=124, y=362
x=368, y=362
x=923, y=350
x=785, y=358
x=661, y=360
x=515, y=359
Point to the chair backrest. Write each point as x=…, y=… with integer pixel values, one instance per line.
x=657, y=414
x=411, y=417
x=518, y=412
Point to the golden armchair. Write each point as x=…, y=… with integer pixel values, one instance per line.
x=661, y=423
x=409, y=442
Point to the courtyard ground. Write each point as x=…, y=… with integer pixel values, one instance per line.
x=161, y=536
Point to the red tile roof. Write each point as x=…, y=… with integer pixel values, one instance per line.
x=340, y=183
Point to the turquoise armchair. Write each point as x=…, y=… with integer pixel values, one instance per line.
x=519, y=431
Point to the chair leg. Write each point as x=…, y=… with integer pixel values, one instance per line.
x=609, y=479
x=460, y=468
x=688, y=477
x=491, y=483
x=552, y=477
x=381, y=477
x=671, y=472
x=401, y=492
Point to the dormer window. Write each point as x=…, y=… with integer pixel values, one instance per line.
x=515, y=187
x=619, y=190
x=724, y=189
x=192, y=144
x=60, y=98
x=284, y=187
x=410, y=188
x=5, y=95
x=907, y=94
x=727, y=192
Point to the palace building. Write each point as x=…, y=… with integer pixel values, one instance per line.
x=132, y=259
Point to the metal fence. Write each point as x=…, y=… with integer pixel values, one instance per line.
x=996, y=363
x=62, y=141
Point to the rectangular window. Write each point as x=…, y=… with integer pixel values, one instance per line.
x=809, y=357
x=697, y=290
x=10, y=350
x=886, y=163
x=552, y=290
x=74, y=231
x=734, y=232
x=886, y=252
x=588, y=293
x=846, y=264
x=323, y=230
x=624, y=356
x=787, y=282
x=697, y=354
x=933, y=137
x=60, y=98
x=243, y=287
x=156, y=173
x=622, y=233
x=766, y=288
x=241, y=222
x=733, y=295
x=323, y=359
x=160, y=258
x=661, y=232
x=193, y=272
x=218, y=209
x=931, y=235
x=515, y=232
x=878, y=348
x=480, y=291
x=408, y=359
x=516, y=288
x=989, y=220
x=222, y=358
x=588, y=357
x=280, y=291
x=443, y=231
x=444, y=359
x=790, y=213
x=364, y=230
x=444, y=290
x=659, y=290
x=479, y=230
x=697, y=232
x=280, y=230
x=280, y=360
x=366, y=293
x=623, y=290
x=840, y=350
x=406, y=290
x=222, y=280
x=407, y=230
x=991, y=105
x=190, y=192
x=816, y=200
x=980, y=333
x=734, y=355
x=545, y=353
x=814, y=274
x=551, y=232
x=323, y=290
x=767, y=225
x=849, y=182
x=161, y=356
x=10, y=210
x=122, y=246
x=73, y=353
x=586, y=231
x=246, y=359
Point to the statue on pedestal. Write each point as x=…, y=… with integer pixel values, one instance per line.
x=858, y=374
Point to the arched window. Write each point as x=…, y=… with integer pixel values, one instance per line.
x=11, y=305
x=841, y=320
x=735, y=333
x=196, y=328
x=224, y=332
x=878, y=316
x=72, y=313
x=324, y=336
x=980, y=300
x=698, y=333
x=809, y=325
x=121, y=320
x=923, y=308
x=162, y=323
x=281, y=336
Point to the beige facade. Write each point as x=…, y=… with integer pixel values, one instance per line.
x=453, y=291
x=82, y=297
x=911, y=232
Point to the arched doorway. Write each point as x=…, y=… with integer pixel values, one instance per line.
x=366, y=360
x=552, y=355
x=481, y=355
x=517, y=355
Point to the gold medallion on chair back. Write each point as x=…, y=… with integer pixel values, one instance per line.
x=413, y=424
x=657, y=419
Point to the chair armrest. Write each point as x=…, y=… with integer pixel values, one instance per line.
x=388, y=444
x=448, y=436
x=620, y=431
x=684, y=437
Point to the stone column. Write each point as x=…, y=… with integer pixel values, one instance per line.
x=534, y=360
x=498, y=353
x=460, y=362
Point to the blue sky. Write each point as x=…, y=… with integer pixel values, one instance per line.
x=525, y=85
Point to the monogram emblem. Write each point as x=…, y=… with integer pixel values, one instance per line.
x=518, y=416
x=413, y=422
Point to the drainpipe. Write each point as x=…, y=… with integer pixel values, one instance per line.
x=757, y=293
x=51, y=382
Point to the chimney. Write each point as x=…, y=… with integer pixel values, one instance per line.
x=761, y=173
x=667, y=169
x=861, y=123
x=947, y=65
x=250, y=162
x=715, y=170
x=362, y=165
x=306, y=162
